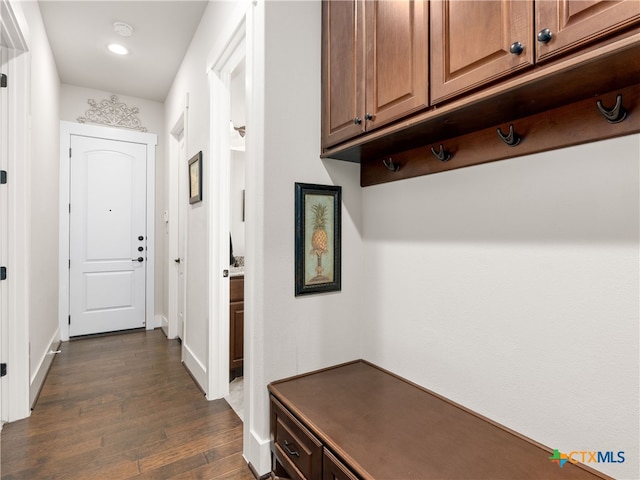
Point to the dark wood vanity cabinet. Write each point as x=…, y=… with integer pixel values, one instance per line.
x=357, y=421
x=236, y=326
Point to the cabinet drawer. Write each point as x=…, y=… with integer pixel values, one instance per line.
x=236, y=289
x=295, y=447
x=334, y=469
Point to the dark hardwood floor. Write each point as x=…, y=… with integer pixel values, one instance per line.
x=123, y=407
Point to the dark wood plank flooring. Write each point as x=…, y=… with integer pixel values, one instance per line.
x=123, y=407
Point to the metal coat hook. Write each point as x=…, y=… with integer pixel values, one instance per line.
x=391, y=164
x=512, y=139
x=442, y=155
x=615, y=114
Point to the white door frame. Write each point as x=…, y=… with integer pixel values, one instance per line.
x=219, y=223
x=247, y=26
x=178, y=134
x=67, y=129
x=14, y=402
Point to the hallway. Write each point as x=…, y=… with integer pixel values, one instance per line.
x=119, y=407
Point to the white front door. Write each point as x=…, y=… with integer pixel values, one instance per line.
x=107, y=278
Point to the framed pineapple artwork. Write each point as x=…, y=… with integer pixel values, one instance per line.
x=317, y=239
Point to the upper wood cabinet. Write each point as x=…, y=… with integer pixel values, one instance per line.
x=567, y=24
x=474, y=43
x=375, y=64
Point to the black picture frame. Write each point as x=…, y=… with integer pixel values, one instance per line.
x=195, y=178
x=318, y=241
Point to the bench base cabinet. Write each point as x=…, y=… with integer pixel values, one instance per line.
x=357, y=421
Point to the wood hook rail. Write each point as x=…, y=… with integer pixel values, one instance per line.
x=615, y=114
x=512, y=139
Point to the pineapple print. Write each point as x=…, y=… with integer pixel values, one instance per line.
x=319, y=239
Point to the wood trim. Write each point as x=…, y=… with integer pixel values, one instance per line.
x=561, y=127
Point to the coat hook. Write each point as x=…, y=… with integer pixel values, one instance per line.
x=615, y=114
x=442, y=155
x=512, y=139
x=391, y=164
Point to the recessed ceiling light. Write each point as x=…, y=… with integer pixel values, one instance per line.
x=117, y=49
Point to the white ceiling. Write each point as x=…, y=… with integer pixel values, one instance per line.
x=80, y=30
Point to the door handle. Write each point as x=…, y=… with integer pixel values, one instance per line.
x=139, y=259
x=177, y=260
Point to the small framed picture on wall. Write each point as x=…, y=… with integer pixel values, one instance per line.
x=195, y=178
x=317, y=238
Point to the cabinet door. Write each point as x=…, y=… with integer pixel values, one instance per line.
x=342, y=70
x=575, y=23
x=236, y=334
x=397, y=59
x=474, y=43
x=334, y=469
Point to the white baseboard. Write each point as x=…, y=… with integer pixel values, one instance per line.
x=195, y=367
x=163, y=323
x=155, y=322
x=257, y=451
x=37, y=380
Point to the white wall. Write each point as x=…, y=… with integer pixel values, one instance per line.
x=191, y=85
x=289, y=335
x=43, y=207
x=73, y=104
x=295, y=335
x=512, y=288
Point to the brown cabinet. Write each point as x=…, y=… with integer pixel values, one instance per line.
x=491, y=67
x=334, y=469
x=375, y=65
x=474, y=43
x=563, y=25
x=236, y=326
x=294, y=446
x=357, y=421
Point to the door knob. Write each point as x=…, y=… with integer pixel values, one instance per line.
x=177, y=260
x=139, y=259
x=141, y=238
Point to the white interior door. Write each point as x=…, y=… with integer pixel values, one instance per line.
x=107, y=278
x=182, y=229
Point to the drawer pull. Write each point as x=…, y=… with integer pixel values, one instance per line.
x=289, y=451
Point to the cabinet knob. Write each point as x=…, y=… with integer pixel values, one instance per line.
x=544, y=35
x=516, y=48
x=357, y=120
x=368, y=116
